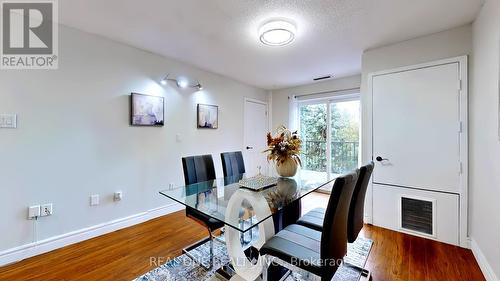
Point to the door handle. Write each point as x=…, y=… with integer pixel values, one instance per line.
x=380, y=159
x=249, y=147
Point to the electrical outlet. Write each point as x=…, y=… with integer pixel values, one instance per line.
x=33, y=212
x=118, y=196
x=94, y=199
x=46, y=210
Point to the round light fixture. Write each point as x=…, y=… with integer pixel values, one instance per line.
x=277, y=33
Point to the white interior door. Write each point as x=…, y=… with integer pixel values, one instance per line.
x=416, y=120
x=256, y=128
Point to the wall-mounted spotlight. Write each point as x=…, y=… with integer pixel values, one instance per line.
x=181, y=82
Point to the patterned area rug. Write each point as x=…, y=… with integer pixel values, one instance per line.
x=357, y=254
x=183, y=268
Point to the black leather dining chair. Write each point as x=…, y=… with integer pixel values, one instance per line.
x=314, y=219
x=317, y=252
x=232, y=163
x=200, y=169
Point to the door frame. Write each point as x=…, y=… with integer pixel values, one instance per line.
x=266, y=104
x=462, y=130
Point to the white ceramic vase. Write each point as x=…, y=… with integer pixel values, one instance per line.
x=288, y=168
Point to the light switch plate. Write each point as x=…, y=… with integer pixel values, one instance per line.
x=8, y=121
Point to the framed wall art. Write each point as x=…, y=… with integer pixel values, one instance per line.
x=207, y=116
x=146, y=110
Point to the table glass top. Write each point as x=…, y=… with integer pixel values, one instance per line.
x=223, y=199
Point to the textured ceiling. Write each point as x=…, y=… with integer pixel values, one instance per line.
x=221, y=35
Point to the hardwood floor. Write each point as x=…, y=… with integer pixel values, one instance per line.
x=397, y=256
x=130, y=252
x=121, y=255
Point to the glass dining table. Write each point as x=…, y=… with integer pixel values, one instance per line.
x=248, y=213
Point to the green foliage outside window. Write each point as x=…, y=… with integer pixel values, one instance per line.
x=344, y=137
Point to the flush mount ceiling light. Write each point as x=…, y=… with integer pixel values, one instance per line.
x=277, y=32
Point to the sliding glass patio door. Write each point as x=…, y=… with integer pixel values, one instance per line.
x=329, y=129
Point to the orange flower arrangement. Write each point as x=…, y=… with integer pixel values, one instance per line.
x=284, y=145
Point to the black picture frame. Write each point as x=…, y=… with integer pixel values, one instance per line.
x=135, y=119
x=202, y=110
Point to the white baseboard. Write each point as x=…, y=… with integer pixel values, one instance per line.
x=465, y=242
x=56, y=242
x=486, y=268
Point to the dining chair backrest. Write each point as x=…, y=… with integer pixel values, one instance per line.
x=232, y=163
x=198, y=169
x=334, y=235
x=357, y=208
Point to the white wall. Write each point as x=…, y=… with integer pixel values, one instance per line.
x=280, y=106
x=74, y=139
x=484, y=140
x=446, y=44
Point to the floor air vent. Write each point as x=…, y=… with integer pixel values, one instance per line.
x=417, y=215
